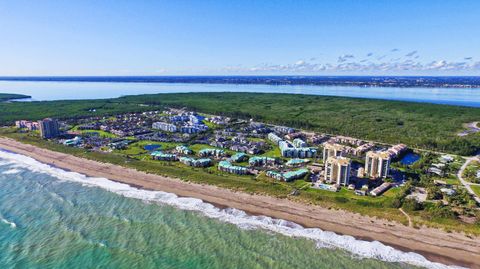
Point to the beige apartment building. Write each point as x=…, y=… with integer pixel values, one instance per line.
x=334, y=150
x=377, y=164
x=337, y=170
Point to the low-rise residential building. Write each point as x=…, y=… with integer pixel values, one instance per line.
x=360, y=150
x=160, y=156
x=299, y=143
x=283, y=129
x=436, y=171
x=73, y=142
x=274, y=174
x=203, y=162
x=193, y=129
x=211, y=153
x=239, y=157
x=164, y=126
x=292, y=175
x=377, y=164
x=120, y=144
x=262, y=161
x=297, y=162
x=327, y=187
x=446, y=159
x=274, y=138
x=287, y=176
x=219, y=120
x=30, y=125
x=380, y=189
x=396, y=150
x=337, y=170
x=182, y=149
x=226, y=166
x=292, y=136
x=288, y=150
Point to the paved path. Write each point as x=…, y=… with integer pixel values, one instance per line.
x=410, y=223
x=466, y=183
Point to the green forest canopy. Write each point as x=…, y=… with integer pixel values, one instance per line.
x=422, y=125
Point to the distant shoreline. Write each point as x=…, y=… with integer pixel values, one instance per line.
x=354, y=81
x=7, y=97
x=436, y=245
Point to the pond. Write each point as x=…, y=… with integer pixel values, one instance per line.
x=151, y=147
x=410, y=158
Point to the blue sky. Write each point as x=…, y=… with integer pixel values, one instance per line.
x=239, y=37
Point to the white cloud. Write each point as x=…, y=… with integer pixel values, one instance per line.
x=362, y=66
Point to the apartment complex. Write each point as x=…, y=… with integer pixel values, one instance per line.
x=30, y=125
x=287, y=176
x=226, y=166
x=196, y=162
x=274, y=138
x=164, y=126
x=49, y=128
x=332, y=150
x=182, y=149
x=337, y=170
x=299, y=143
x=262, y=161
x=160, y=156
x=377, y=164
x=289, y=150
x=211, y=153
x=239, y=157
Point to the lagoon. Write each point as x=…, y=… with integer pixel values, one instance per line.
x=68, y=90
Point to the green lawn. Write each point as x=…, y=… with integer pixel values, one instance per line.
x=100, y=133
x=476, y=189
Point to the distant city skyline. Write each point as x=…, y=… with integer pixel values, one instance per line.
x=120, y=38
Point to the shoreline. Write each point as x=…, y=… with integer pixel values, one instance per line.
x=435, y=245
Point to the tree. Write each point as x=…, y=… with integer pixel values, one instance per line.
x=412, y=205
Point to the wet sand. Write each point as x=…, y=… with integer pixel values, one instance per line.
x=434, y=244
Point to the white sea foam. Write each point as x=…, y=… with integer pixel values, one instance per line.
x=11, y=171
x=11, y=223
x=359, y=248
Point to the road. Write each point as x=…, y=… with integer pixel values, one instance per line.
x=466, y=183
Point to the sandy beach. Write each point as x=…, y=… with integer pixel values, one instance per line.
x=436, y=245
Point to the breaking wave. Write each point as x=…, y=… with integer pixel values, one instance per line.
x=12, y=171
x=11, y=223
x=323, y=239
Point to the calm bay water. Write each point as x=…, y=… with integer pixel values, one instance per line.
x=50, y=218
x=41, y=90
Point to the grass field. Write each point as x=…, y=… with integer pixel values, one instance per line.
x=476, y=189
x=418, y=125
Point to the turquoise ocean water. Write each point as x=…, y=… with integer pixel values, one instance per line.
x=50, y=218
